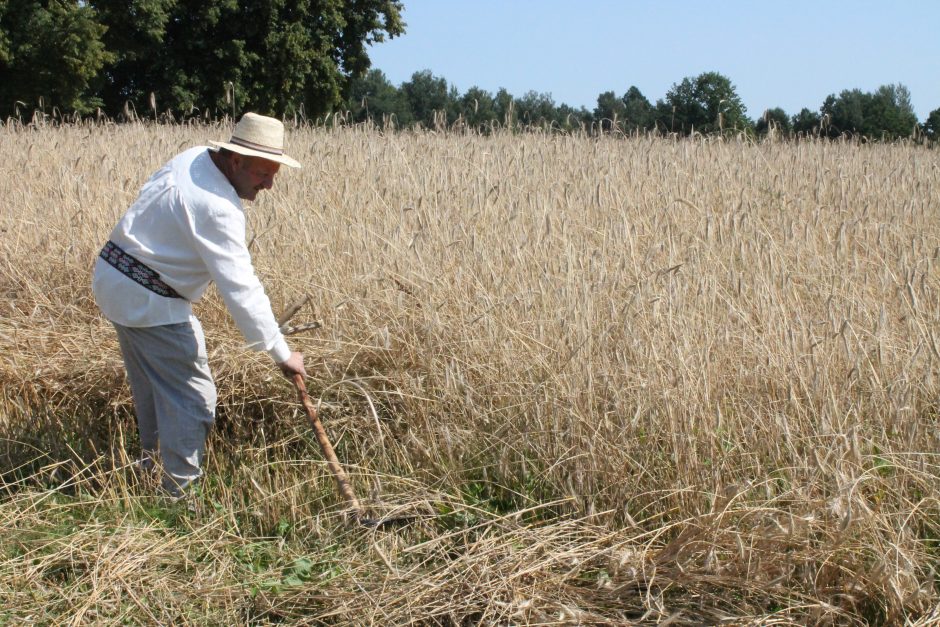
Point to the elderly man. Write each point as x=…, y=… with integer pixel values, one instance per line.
x=187, y=228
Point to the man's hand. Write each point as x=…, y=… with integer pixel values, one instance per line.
x=293, y=365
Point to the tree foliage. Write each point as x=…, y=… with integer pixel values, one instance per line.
x=629, y=113
x=707, y=103
x=806, y=122
x=374, y=97
x=609, y=110
x=536, y=109
x=932, y=125
x=428, y=96
x=775, y=119
x=504, y=106
x=478, y=108
x=50, y=54
x=638, y=112
x=190, y=56
x=886, y=113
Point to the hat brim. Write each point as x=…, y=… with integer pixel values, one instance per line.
x=249, y=152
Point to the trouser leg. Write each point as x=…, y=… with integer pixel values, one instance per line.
x=172, y=359
x=142, y=393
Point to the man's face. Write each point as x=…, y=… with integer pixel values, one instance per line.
x=250, y=175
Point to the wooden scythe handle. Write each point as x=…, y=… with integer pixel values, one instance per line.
x=342, y=480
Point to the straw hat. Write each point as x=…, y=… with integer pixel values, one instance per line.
x=259, y=136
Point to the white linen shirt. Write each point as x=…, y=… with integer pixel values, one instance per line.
x=188, y=224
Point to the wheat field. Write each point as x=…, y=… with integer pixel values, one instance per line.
x=620, y=381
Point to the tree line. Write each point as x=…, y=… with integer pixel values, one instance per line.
x=180, y=59
x=705, y=104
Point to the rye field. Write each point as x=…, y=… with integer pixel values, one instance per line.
x=617, y=381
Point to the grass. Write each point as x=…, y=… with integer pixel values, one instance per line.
x=635, y=380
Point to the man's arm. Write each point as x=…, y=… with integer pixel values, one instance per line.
x=219, y=238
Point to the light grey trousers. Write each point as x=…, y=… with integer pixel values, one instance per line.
x=174, y=396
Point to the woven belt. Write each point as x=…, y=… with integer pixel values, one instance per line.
x=136, y=270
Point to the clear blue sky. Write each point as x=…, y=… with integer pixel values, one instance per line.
x=789, y=54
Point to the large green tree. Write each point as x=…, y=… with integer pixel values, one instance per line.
x=707, y=103
x=630, y=113
x=887, y=113
x=274, y=56
x=536, y=109
x=430, y=99
x=890, y=112
x=572, y=119
x=50, y=55
x=806, y=122
x=638, y=112
x=609, y=112
x=505, y=106
x=932, y=125
x=845, y=113
x=373, y=97
x=478, y=108
x=776, y=119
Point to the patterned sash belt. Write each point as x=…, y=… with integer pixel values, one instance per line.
x=136, y=270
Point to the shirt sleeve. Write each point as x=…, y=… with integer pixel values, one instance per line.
x=219, y=239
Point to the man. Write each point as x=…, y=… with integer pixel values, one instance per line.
x=187, y=228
